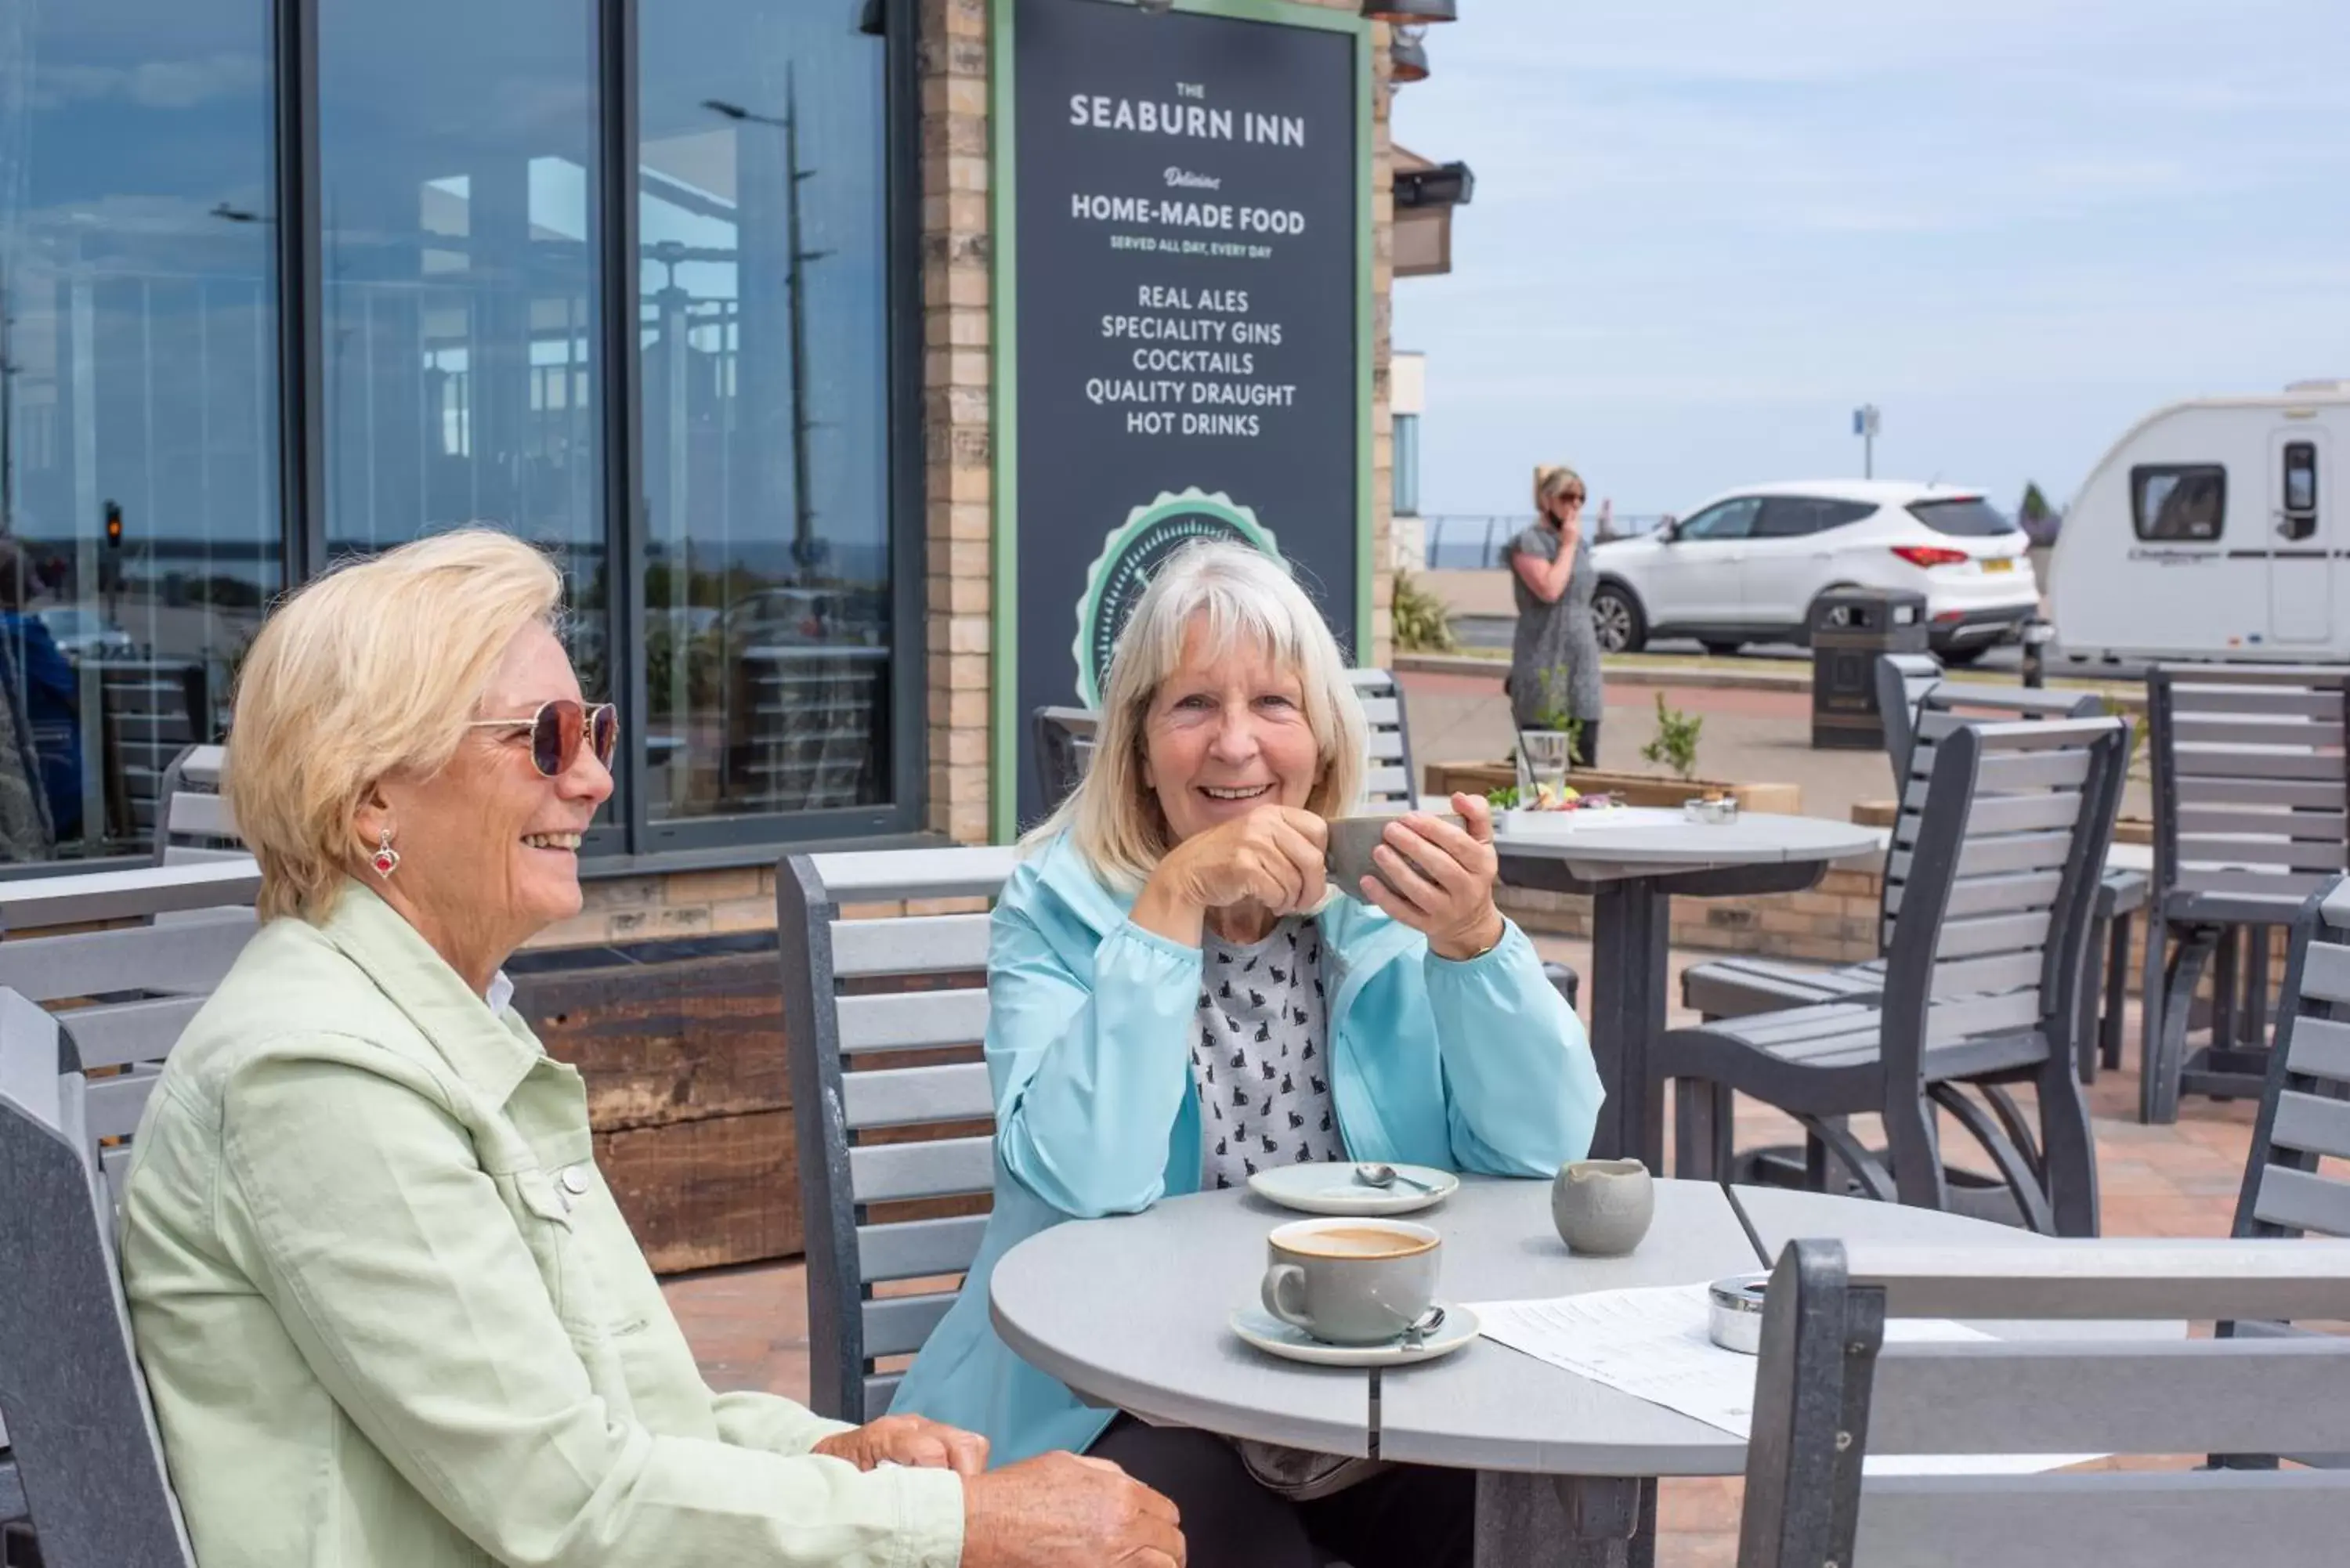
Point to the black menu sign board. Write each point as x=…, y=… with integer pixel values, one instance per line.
x=1182, y=303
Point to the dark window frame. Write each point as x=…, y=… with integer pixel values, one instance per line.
x=2307, y=452
x=2181, y=472
x=633, y=843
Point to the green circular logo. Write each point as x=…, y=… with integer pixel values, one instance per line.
x=1132, y=553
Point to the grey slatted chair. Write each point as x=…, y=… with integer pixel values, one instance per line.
x=1832, y=1389
x=2305, y=1107
x=1065, y=749
x=891, y=1225
x=2304, y=1116
x=192, y=823
x=77, y=1406
x=131, y=993
x=1391, y=780
x=2252, y=815
x=1919, y=706
x=1981, y=982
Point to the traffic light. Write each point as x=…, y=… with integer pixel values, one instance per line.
x=113, y=526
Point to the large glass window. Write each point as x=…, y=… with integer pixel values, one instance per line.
x=138, y=405
x=457, y=176
x=763, y=339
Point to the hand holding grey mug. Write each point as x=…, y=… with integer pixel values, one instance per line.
x=1349, y=1281
x=1434, y=871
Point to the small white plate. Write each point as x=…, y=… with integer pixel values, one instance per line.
x=1330, y=1188
x=1269, y=1333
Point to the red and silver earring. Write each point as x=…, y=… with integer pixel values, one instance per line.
x=387, y=858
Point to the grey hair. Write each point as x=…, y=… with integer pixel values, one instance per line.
x=1244, y=597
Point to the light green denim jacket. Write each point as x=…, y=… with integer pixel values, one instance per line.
x=391, y=1318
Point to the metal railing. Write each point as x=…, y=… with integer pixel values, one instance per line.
x=1473, y=542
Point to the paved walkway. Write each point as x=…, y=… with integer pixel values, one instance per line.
x=749, y=1326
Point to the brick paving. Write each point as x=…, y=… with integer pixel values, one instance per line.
x=749, y=1326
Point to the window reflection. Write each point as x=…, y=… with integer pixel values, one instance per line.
x=456, y=158
x=138, y=402
x=763, y=337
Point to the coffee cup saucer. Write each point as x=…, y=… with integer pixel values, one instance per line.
x=1256, y=1326
x=1331, y=1187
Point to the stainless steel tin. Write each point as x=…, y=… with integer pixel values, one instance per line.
x=1722, y=811
x=1734, y=1316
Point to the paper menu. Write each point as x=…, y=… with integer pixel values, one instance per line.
x=1652, y=1344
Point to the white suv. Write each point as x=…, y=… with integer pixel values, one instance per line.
x=1746, y=565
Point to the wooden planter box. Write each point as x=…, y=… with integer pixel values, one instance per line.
x=689, y=1095
x=1633, y=789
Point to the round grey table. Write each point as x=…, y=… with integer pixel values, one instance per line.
x=1132, y=1313
x=1632, y=865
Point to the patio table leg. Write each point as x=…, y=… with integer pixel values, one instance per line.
x=1564, y=1521
x=1630, y=921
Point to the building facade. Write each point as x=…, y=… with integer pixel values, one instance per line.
x=698, y=295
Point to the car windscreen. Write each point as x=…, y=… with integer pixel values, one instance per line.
x=1970, y=515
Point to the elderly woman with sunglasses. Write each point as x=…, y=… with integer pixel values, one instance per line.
x=1178, y=1000
x=387, y=1309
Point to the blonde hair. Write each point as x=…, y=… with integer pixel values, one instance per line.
x=371, y=670
x=1552, y=479
x=1238, y=593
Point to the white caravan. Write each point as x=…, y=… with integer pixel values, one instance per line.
x=2214, y=530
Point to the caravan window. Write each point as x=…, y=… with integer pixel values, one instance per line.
x=2177, y=501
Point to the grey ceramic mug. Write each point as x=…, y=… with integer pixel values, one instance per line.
x=1348, y=858
x=1351, y=1280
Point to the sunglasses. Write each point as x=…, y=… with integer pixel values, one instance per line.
x=556, y=730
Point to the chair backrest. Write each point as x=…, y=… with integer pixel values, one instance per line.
x=154, y=709
x=1832, y=1389
x=2251, y=780
x=1065, y=750
x=890, y=1103
x=2304, y=1116
x=80, y=1425
x=1999, y=889
x=1902, y=679
x=192, y=821
x=131, y=893
x=1390, y=779
x=1938, y=707
x=128, y=993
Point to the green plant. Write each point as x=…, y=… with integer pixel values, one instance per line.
x=1553, y=714
x=1503, y=799
x=1423, y=623
x=1676, y=743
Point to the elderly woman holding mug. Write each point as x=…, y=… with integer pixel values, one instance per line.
x=1554, y=652
x=388, y=1311
x=1177, y=1000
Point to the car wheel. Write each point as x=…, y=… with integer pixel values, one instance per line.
x=1616, y=616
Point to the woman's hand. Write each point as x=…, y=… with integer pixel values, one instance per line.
x=1272, y=857
x=1446, y=876
x=911, y=1440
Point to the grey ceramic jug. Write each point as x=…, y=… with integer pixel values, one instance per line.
x=1602, y=1206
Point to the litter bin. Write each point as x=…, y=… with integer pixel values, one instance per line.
x=1850, y=628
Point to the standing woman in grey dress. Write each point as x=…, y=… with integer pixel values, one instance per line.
x=1554, y=657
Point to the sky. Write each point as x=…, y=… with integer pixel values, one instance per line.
x=1705, y=231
